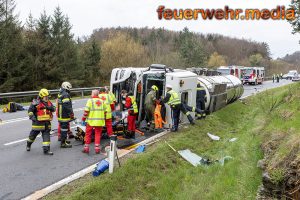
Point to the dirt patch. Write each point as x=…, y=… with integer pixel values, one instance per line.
x=281, y=179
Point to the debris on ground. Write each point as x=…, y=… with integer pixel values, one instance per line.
x=101, y=167
x=213, y=137
x=222, y=160
x=232, y=139
x=140, y=149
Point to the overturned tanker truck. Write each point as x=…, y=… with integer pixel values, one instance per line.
x=220, y=90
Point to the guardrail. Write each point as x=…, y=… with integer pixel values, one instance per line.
x=35, y=93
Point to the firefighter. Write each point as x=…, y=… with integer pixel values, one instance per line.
x=112, y=98
x=149, y=104
x=200, y=101
x=173, y=100
x=70, y=133
x=40, y=113
x=281, y=76
x=65, y=112
x=273, y=77
x=106, y=98
x=131, y=105
x=277, y=78
x=94, y=116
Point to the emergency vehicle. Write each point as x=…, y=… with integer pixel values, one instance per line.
x=236, y=71
x=253, y=75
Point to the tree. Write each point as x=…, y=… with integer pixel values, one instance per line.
x=191, y=49
x=296, y=22
x=255, y=60
x=92, y=57
x=216, y=60
x=11, y=68
x=120, y=50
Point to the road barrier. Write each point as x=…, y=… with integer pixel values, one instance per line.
x=35, y=93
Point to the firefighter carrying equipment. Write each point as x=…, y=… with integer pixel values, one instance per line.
x=154, y=87
x=157, y=117
x=44, y=93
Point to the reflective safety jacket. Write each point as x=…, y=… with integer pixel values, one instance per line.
x=107, y=100
x=95, y=109
x=172, y=98
x=64, y=110
x=131, y=105
x=41, y=114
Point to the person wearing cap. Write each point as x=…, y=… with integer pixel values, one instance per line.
x=40, y=113
x=149, y=104
x=173, y=100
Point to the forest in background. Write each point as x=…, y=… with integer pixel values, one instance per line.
x=44, y=52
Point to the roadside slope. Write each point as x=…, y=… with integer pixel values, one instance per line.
x=160, y=173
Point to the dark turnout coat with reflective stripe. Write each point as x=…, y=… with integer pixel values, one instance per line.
x=35, y=106
x=65, y=110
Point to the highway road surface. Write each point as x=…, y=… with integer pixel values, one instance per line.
x=22, y=172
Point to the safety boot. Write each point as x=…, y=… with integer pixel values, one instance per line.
x=65, y=144
x=132, y=135
x=28, y=146
x=97, y=148
x=191, y=120
x=48, y=152
x=86, y=149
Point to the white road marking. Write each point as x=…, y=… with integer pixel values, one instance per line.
x=25, y=139
x=26, y=118
x=18, y=141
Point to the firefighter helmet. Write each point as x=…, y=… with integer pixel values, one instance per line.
x=154, y=87
x=66, y=86
x=169, y=86
x=44, y=93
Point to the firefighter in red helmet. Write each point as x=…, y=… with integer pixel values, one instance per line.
x=40, y=113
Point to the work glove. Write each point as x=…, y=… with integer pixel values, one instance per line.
x=83, y=123
x=72, y=116
x=33, y=118
x=83, y=119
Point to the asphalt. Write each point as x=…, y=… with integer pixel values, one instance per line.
x=24, y=172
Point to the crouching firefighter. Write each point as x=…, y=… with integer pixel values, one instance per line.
x=65, y=113
x=173, y=100
x=94, y=116
x=40, y=113
x=131, y=105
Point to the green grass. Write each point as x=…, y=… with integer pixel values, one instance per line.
x=160, y=173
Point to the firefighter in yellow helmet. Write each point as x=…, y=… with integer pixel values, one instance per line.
x=40, y=113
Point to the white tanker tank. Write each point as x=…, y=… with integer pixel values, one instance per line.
x=233, y=91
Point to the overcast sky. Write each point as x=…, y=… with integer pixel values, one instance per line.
x=88, y=15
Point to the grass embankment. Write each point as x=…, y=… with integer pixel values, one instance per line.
x=160, y=173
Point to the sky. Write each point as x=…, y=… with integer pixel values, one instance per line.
x=85, y=16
